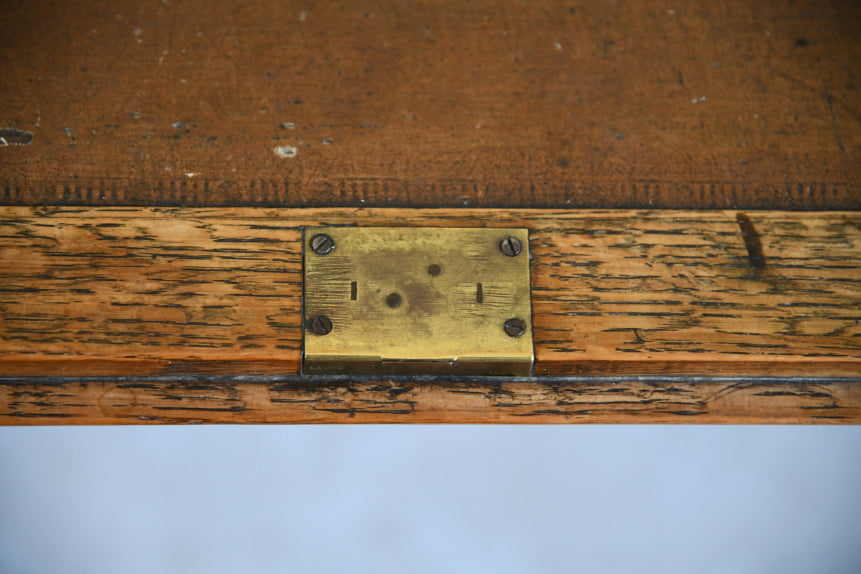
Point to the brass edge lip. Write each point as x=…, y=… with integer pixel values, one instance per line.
x=302, y=307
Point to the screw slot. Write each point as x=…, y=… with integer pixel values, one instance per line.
x=322, y=244
x=510, y=246
x=321, y=324
x=515, y=327
x=434, y=270
x=393, y=300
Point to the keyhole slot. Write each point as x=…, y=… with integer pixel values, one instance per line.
x=479, y=293
x=354, y=291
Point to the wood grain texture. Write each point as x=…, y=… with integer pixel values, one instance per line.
x=161, y=291
x=702, y=104
x=541, y=400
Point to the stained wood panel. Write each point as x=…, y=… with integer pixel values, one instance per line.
x=701, y=104
x=131, y=292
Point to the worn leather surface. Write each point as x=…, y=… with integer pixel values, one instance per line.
x=698, y=104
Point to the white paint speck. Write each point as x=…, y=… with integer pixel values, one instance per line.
x=288, y=125
x=699, y=99
x=327, y=141
x=192, y=174
x=558, y=46
x=671, y=12
x=302, y=15
x=137, y=32
x=285, y=151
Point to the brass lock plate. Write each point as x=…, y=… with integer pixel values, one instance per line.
x=417, y=301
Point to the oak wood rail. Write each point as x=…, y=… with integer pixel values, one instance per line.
x=735, y=317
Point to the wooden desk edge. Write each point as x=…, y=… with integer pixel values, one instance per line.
x=667, y=388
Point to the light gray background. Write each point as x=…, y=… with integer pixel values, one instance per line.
x=430, y=499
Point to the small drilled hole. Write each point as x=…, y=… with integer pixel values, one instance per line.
x=354, y=291
x=393, y=300
x=434, y=270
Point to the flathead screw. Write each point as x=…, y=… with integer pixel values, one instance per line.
x=393, y=300
x=510, y=246
x=515, y=327
x=322, y=244
x=321, y=324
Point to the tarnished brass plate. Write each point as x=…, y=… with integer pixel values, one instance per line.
x=417, y=300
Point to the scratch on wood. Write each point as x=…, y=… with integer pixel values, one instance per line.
x=834, y=123
x=752, y=241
